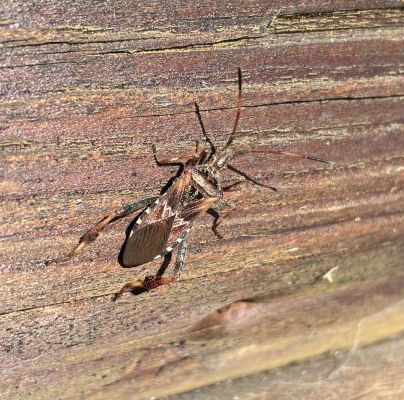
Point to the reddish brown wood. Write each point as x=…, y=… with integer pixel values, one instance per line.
x=87, y=87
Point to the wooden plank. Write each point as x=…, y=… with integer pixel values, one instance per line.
x=333, y=330
x=84, y=95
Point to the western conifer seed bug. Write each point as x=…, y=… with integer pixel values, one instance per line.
x=165, y=221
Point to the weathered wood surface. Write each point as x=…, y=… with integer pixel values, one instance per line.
x=85, y=89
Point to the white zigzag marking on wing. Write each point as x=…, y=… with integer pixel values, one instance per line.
x=166, y=210
x=179, y=222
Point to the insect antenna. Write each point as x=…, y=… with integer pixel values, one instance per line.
x=208, y=139
x=285, y=153
x=239, y=100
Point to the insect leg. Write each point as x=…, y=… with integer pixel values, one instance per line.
x=196, y=154
x=161, y=163
x=164, y=265
x=149, y=282
x=179, y=262
x=199, y=156
x=93, y=232
x=132, y=207
x=248, y=178
x=136, y=286
x=218, y=219
x=141, y=286
x=230, y=188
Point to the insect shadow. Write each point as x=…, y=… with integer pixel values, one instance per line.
x=166, y=220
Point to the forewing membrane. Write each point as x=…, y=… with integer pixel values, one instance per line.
x=147, y=242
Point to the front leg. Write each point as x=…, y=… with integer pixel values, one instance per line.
x=162, y=163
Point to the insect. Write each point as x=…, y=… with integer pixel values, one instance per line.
x=165, y=221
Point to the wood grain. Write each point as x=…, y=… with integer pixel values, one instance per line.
x=87, y=87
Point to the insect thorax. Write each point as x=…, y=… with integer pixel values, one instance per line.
x=205, y=179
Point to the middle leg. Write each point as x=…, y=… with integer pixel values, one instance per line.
x=219, y=218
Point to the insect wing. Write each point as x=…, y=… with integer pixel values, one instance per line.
x=170, y=202
x=147, y=242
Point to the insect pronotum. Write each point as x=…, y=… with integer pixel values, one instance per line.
x=164, y=223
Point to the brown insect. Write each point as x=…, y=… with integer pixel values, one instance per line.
x=166, y=220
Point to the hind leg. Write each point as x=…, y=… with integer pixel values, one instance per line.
x=149, y=282
x=182, y=253
x=152, y=282
x=93, y=232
